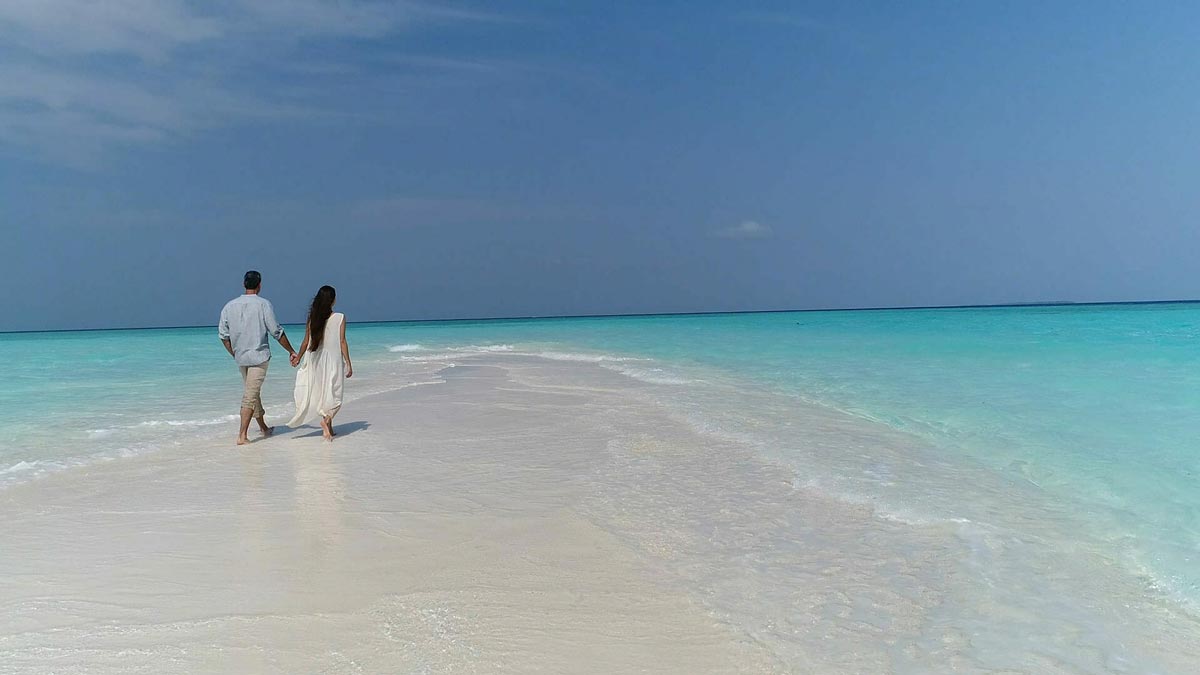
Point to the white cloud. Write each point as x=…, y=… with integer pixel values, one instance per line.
x=81, y=76
x=57, y=90
x=153, y=29
x=149, y=29
x=747, y=229
x=298, y=19
x=67, y=137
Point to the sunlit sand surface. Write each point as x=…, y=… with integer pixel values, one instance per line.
x=528, y=515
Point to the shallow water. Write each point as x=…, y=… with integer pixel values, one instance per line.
x=1007, y=425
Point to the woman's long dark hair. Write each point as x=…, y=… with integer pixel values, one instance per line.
x=318, y=316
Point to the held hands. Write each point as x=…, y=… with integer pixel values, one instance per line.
x=295, y=359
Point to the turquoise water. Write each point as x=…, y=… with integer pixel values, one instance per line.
x=1096, y=409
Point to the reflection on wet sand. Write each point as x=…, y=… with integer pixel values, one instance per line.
x=253, y=513
x=291, y=542
x=320, y=493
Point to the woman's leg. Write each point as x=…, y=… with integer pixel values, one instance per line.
x=332, y=413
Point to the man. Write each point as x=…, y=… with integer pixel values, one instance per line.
x=245, y=323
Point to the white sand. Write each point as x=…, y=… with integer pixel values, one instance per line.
x=436, y=534
x=524, y=516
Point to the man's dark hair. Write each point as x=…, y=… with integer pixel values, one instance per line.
x=252, y=281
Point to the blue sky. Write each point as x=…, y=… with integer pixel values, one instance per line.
x=532, y=158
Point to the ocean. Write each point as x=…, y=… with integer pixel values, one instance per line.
x=1037, y=425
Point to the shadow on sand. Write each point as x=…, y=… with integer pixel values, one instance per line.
x=340, y=429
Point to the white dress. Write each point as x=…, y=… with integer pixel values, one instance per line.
x=321, y=375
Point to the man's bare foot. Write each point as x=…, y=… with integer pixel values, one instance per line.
x=267, y=431
x=242, y=440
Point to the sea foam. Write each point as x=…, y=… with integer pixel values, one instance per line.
x=405, y=348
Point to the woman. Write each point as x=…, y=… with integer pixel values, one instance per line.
x=324, y=360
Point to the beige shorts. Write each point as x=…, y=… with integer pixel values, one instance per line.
x=252, y=382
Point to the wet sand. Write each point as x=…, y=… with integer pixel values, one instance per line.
x=436, y=534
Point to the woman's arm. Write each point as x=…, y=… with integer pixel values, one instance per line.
x=303, y=348
x=346, y=350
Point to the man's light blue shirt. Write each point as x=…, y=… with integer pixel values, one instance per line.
x=246, y=321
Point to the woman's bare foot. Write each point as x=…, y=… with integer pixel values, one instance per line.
x=327, y=430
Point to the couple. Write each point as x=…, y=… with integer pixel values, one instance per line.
x=324, y=356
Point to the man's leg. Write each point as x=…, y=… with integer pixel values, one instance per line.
x=247, y=415
x=252, y=378
x=262, y=426
x=262, y=422
x=259, y=413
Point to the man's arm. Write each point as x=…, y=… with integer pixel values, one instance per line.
x=223, y=332
x=286, y=344
x=276, y=330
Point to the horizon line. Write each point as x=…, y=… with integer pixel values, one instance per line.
x=546, y=317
